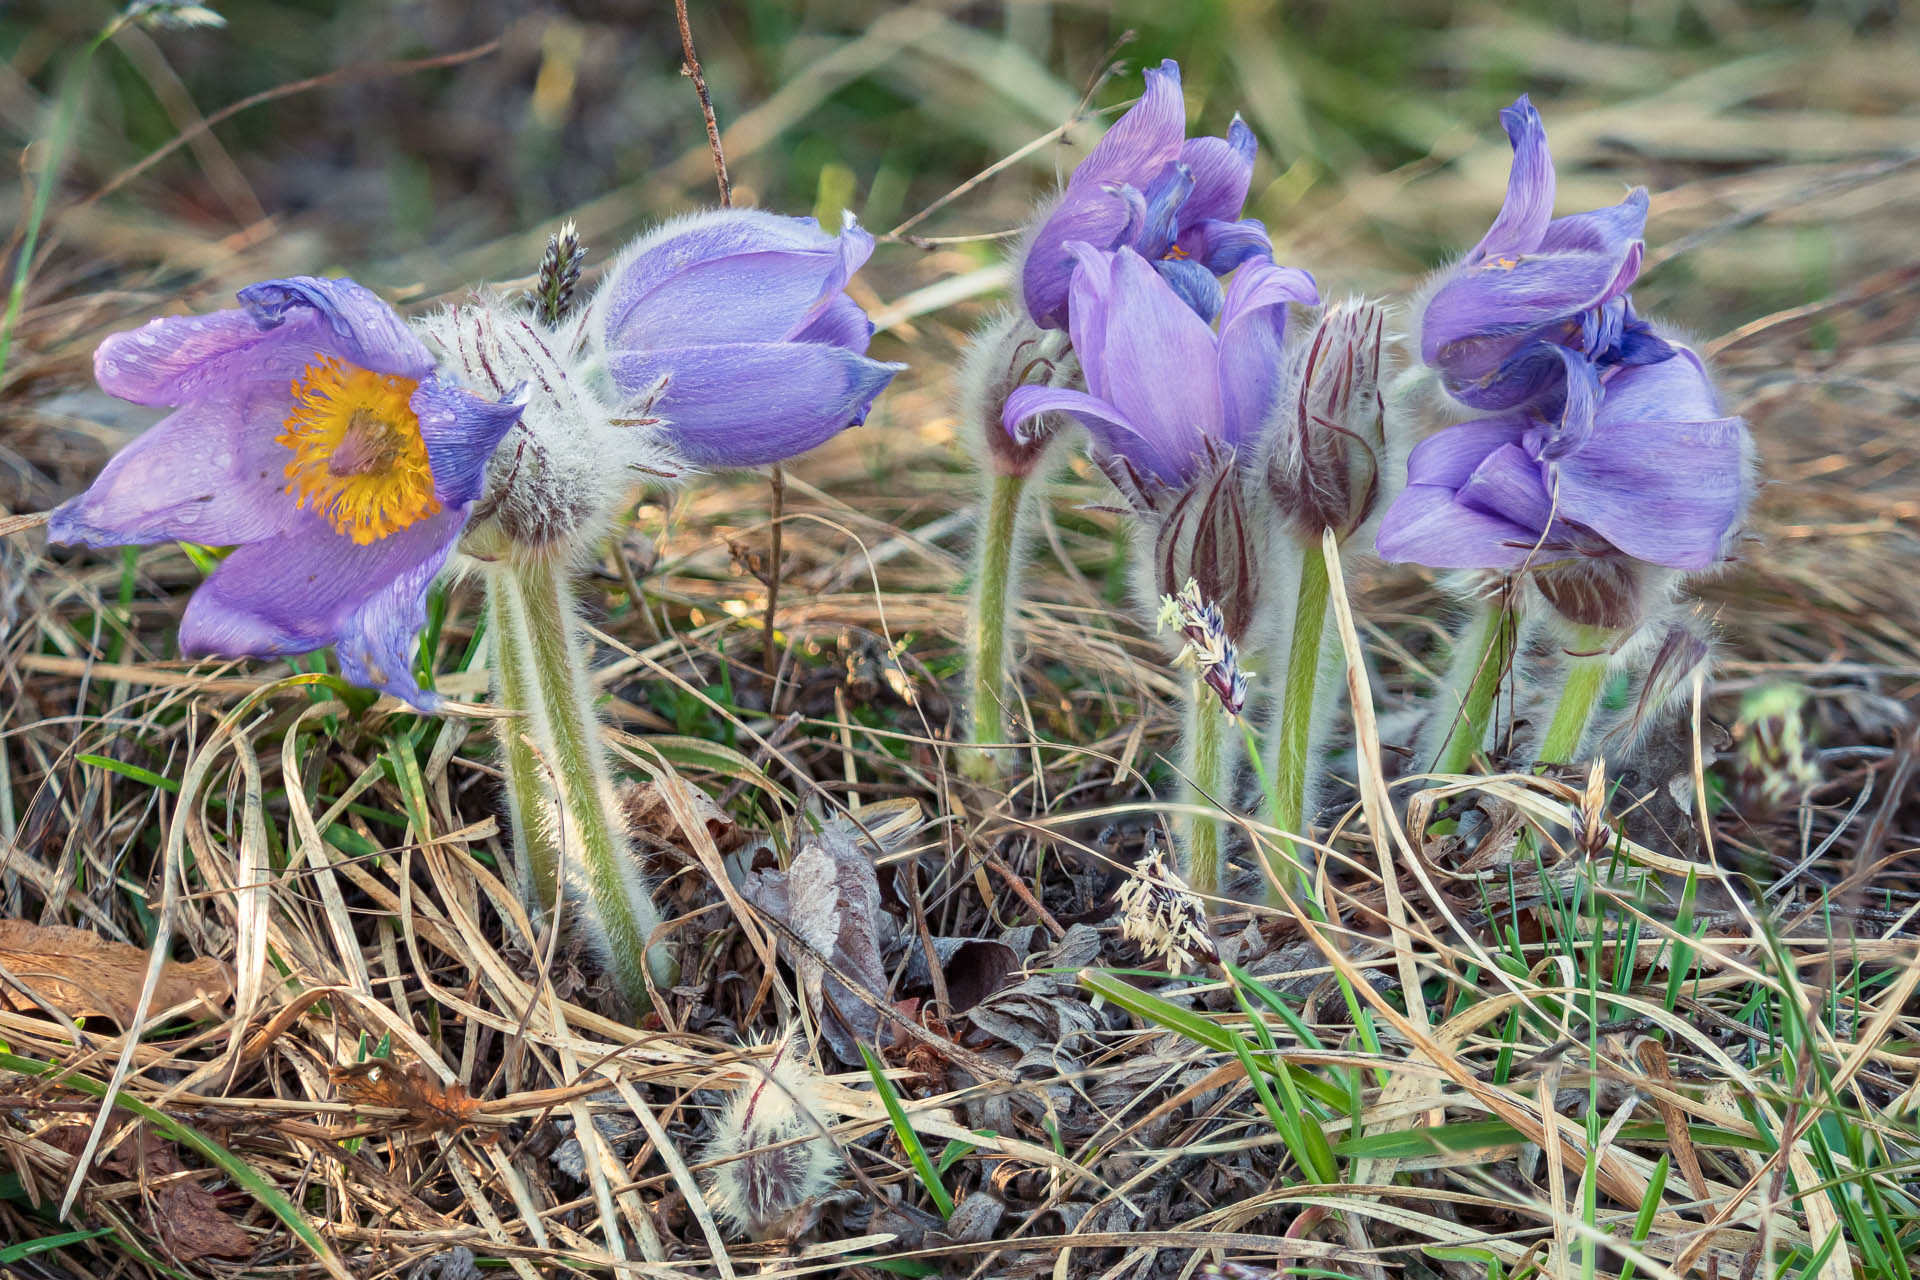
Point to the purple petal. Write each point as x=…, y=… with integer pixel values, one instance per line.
x=211, y=473
x=1508, y=483
x=1098, y=218
x=1525, y=214
x=1580, y=397
x=1253, y=331
x=1144, y=140
x=1222, y=246
x=312, y=587
x=1505, y=297
x=1092, y=297
x=461, y=431
x=1677, y=389
x=1160, y=206
x=1108, y=426
x=173, y=358
x=1198, y=287
x=841, y=323
x=1222, y=172
x=1449, y=456
x=1605, y=231
x=1662, y=491
x=1425, y=525
x=745, y=404
x=366, y=331
x=684, y=292
x=1156, y=358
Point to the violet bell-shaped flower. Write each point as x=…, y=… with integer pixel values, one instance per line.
x=734, y=326
x=1174, y=200
x=1535, y=281
x=1175, y=410
x=313, y=433
x=1640, y=466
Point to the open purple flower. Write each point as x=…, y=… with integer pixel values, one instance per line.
x=734, y=325
x=1177, y=412
x=1174, y=200
x=1164, y=391
x=310, y=431
x=1535, y=281
x=1641, y=463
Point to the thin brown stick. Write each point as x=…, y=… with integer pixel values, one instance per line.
x=769, y=654
x=690, y=68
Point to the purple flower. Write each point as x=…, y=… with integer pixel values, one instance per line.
x=1176, y=411
x=1164, y=392
x=1535, y=281
x=735, y=326
x=1641, y=464
x=1174, y=200
x=312, y=432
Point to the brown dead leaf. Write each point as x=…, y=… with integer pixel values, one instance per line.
x=87, y=976
x=187, y=1216
x=650, y=818
x=411, y=1087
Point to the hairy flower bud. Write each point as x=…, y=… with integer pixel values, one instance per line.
x=1331, y=449
x=561, y=475
x=1202, y=536
x=770, y=1142
x=1011, y=351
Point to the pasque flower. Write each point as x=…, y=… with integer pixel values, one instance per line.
x=735, y=327
x=311, y=431
x=1535, y=281
x=1174, y=200
x=1330, y=454
x=1639, y=463
x=1176, y=410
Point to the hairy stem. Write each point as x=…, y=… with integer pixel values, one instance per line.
x=1295, y=729
x=1586, y=676
x=992, y=589
x=1480, y=661
x=559, y=783
x=1207, y=781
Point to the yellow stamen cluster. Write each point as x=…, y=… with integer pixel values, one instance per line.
x=358, y=459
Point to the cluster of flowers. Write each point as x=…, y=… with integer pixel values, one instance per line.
x=1256, y=435
x=1247, y=426
x=345, y=455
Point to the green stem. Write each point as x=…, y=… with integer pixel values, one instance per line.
x=1206, y=782
x=530, y=798
x=992, y=587
x=1480, y=662
x=555, y=760
x=1296, y=713
x=1586, y=676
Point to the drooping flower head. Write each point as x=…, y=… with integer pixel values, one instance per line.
x=313, y=433
x=1176, y=410
x=1535, y=282
x=735, y=327
x=1173, y=200
x=1640, y=468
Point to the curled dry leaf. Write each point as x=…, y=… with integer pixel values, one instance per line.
x=830, y=897
x=651, y=820
x=411, y=1087
x=85, y=975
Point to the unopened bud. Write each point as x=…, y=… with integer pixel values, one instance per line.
x=1331, y=450
x=1011, y=351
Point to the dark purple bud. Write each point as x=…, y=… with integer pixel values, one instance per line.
x=1011, y=351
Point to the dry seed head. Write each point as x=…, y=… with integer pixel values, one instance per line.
x=1162, y=915
x=770, y=1140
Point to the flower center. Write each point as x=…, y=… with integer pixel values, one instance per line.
x=358, y=459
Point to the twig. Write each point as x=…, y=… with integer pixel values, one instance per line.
x=690, y=68
x=777, y=503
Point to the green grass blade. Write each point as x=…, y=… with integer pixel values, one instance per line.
x=909, y=1140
